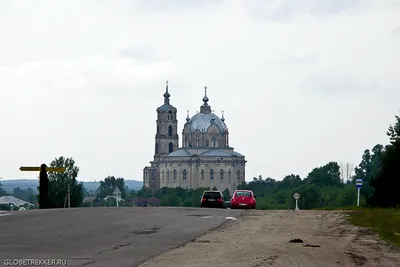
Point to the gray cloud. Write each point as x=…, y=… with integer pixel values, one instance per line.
x=289, y=10
x=96, y=72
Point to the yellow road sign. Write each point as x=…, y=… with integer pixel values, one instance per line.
x=37, y=169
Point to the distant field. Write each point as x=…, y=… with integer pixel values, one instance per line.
x=9, y=185
x=385, y=221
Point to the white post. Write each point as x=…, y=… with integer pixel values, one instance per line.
x=297, y=207
x=117, y=197
x=358, y=197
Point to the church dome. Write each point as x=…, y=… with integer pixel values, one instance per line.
x=202, y=122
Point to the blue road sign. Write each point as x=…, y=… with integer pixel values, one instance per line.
x=359, y=183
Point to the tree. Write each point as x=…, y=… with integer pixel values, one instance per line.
x=59, y=181
x=369, y=168
x=26, y=195
x=2, y=191
x=227, y=194
x=346, y=171
x=327, y=175
x=108, y=186
x=370, y=165
x=394, y=131
x=145, y=192
x=386, y=183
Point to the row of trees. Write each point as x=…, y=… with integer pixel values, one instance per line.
x=330, y=185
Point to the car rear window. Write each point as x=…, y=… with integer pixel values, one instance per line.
x=243, y=194
x=212, y=195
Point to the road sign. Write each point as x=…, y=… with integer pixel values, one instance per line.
x=296, y=196
x=37, y=169
x=359, y=183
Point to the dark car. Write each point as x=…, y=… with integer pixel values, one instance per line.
x=212, y=199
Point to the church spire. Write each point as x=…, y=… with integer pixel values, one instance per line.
x=205, y=108
x=166, y=94
x=223, y=119
x=187, y=117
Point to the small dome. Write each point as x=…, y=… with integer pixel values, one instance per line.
x=203, y=121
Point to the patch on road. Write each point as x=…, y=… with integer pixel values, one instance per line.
x=297, y=240
x=146, y=231
x=358, y=260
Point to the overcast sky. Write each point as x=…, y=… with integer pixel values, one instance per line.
x=301, y=83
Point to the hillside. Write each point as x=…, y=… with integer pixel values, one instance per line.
x=9, y=185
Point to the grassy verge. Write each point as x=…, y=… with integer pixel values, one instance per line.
x=385, y=221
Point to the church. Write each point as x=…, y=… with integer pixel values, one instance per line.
x=205, y=158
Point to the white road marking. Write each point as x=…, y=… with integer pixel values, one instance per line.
x=6, y=214
x=231, y=218
x=207, y=217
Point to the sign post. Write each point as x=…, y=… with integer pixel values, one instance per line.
x=359, y=183
x=296, y=196
x=43, y=182
x=116, y=192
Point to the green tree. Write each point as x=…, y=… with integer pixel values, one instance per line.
x=387, y=183
x=227, y=194
x=394, y=131
x=27, y=195
x=144, y=192
x=59, y=181
x=327, y=175
x=369, y=168
x=108, y=186
x=170, y=200
x=2, y=191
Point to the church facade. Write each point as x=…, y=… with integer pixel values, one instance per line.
x=204, y=159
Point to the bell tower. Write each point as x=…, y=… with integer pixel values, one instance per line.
x=167, y=138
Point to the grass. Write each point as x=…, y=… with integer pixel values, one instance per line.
x=386, y=222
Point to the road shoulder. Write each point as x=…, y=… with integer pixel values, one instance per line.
x=262, y=238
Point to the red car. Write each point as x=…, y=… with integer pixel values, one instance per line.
x=243, y=199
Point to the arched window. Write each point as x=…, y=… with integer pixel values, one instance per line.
x=170, y=130
x=221, y=175
x=184, y=174
x=162, y=176
x=202, y=174
x=156, y=148
x=168, y=176
x=171, y=147
x=175, y=175
x=229, y=176
x=211, y=174
x=213, y=141
x=238, y=175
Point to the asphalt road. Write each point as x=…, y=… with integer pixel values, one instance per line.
x=103, y=236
